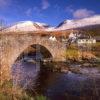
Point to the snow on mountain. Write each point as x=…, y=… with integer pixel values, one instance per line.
x=42, y=24
x=50, y=29
x=27, y=26
x=67, y=24
x=71, y=24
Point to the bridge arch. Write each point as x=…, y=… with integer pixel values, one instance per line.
x=13, y=45
x=33, y=50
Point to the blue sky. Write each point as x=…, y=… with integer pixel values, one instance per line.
x=48, y=11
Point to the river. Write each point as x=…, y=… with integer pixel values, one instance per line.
x=34, y=78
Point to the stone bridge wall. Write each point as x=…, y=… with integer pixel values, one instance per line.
x=12, y=45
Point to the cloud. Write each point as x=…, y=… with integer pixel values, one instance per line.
x=69, y=9
x=28, y=12
x=36, y=9
x=82, y=13
x=45, y=4
x=4, y=3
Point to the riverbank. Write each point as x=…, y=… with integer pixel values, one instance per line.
x=78, y=67
x=90, y=53
x=10, y=92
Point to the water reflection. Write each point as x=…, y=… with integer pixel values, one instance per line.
x=25, y=73
x=56, y=86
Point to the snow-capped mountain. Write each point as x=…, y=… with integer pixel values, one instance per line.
x=72, y=24
x=27, y=26
x=67, y=24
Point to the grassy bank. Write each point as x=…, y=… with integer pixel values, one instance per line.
x=73, y=52
x=9, y=92
x=96, y=49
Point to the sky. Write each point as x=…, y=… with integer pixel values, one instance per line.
x=51, y=12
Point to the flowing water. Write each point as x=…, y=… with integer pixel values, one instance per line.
x=34, y=78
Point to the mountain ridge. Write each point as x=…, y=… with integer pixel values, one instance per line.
x=65, y=25
x=70, y=24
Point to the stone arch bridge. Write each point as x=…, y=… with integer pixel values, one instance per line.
x=13, y=45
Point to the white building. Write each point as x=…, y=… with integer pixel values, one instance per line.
x=86, y=41
x=72, y=36
x=52, y=38
x=81, y=38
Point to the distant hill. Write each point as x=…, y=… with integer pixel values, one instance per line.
x=93, y=30
x=90, y=25
x=72, y=24
x=25, y=26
